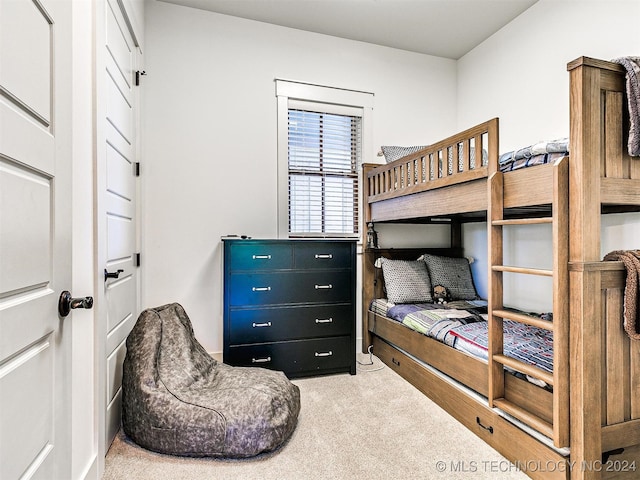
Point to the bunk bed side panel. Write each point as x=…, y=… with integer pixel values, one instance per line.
x=620, y=173
x=614, y=355
x=403, y=189
x=620, y=415
x=529, y=455
x=461, y=198
x=519, y=184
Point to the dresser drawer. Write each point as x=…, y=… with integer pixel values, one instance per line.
x=289, y=323
x=290, y=287
x=296, y=357
x=250, y=256
x=322, y=255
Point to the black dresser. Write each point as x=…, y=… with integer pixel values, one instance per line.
x=289, y=305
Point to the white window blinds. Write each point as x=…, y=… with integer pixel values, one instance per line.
x=324, y=154
x=323, y=135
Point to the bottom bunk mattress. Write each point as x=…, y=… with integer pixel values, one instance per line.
x=463, y=326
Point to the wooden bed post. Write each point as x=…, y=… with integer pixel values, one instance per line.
x=585, y=147
x=367, y=258
x=584, y=247
x=585, y=374
x=493, y=146
x=561, y=335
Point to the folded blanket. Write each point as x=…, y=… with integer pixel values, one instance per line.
x=553, y=146
x=511, y=165
x=632, y=65
x=631, y=261
x=436, y=321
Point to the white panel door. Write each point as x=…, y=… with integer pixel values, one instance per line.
x=35, y=246
x=117, y=200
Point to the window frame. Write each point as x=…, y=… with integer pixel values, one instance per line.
x=331, y=100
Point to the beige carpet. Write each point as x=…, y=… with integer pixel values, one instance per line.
x=373, y=425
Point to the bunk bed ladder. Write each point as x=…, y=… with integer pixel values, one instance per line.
x=558, y=428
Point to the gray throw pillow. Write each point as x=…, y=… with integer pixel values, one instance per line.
x=407, y=281
x=392, y=153
x=452, y=273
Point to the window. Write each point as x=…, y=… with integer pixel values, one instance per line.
x=323, y=161
x=320, y=150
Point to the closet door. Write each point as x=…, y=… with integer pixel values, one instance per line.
x=35, y=238
x=117, y=203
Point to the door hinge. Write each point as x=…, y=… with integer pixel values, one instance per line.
x=136, y=257
x=138, y=75
x=136, y=169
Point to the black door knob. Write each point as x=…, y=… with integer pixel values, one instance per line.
x=66, y=303
x=112, y=274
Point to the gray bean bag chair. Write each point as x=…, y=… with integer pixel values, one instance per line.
x=177, y=399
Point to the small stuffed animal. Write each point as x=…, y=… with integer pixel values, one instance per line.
x=440, y=295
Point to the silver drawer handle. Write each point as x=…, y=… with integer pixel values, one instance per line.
x=261, y=360
x=324, y=320
x=324, y=287
x=324, y=255
x=262, y=257
x=324, y=354
x=258, y=325
x=261, y=289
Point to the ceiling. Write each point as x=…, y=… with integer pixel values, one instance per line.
x=444, y=28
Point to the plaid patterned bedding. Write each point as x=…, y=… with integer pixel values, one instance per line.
x=515, y=164
x=462, y=325
x=528, y=344
x=435, y=320
x=536, y=154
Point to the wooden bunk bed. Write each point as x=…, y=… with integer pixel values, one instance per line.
x=592, y=412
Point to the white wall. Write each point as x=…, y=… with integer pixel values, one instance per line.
x=519, y=74
x=209, y=135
